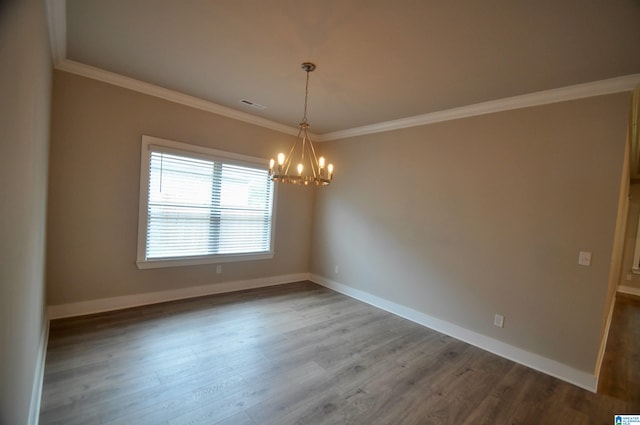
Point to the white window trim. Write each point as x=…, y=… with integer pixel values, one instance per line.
x=208, y=153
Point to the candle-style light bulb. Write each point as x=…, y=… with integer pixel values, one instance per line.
x=271, y=164
x=321, y=162
x=300, y=169
x=330, y=170
x=280, y=158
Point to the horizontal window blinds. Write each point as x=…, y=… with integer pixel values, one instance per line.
x=200, y=206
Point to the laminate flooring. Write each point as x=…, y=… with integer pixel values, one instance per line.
x=297, y=354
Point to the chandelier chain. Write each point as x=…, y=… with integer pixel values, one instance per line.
x=306, y=97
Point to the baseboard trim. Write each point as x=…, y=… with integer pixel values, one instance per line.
x=518, y=355
x=117, y=303
x=629, y=290
x=38, y=378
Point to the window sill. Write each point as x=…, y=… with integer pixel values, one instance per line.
x=194, y=261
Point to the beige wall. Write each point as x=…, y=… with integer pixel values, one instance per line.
x=464, y=219
x=459, y=220
x=25, y=89
x=94, y=185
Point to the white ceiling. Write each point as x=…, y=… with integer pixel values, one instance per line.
x=378, y=60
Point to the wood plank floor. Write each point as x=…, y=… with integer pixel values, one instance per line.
x=300, y=354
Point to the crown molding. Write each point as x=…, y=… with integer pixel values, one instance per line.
x=57, y=22
x=579, y=91
x=57, y=19
x=170, y=95
x=563, y=94
x=56, y=16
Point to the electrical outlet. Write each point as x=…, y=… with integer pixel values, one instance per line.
x=336, y=269
x=498, y=320
x=584, y=259
x=219, y=269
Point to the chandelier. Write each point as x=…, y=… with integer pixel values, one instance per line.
x=309, y=169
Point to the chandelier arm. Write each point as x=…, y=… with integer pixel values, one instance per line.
x=289, y=158
x=304, y=145
x=314, y=161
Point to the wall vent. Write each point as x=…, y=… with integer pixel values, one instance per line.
x=252, y=104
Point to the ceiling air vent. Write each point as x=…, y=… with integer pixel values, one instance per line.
x=252, y=104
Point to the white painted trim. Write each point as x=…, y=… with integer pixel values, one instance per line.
x=151, y=143
x=579, y=91
x=38, y=378
x=629, y=290
x=56, y=15
x=57, y=21
x=603, y=343
x=543, y=364
x=117, y=303
x=170, y=95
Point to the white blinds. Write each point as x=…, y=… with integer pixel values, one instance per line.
x=200, y=206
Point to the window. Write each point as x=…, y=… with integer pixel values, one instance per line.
x=199, y=205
